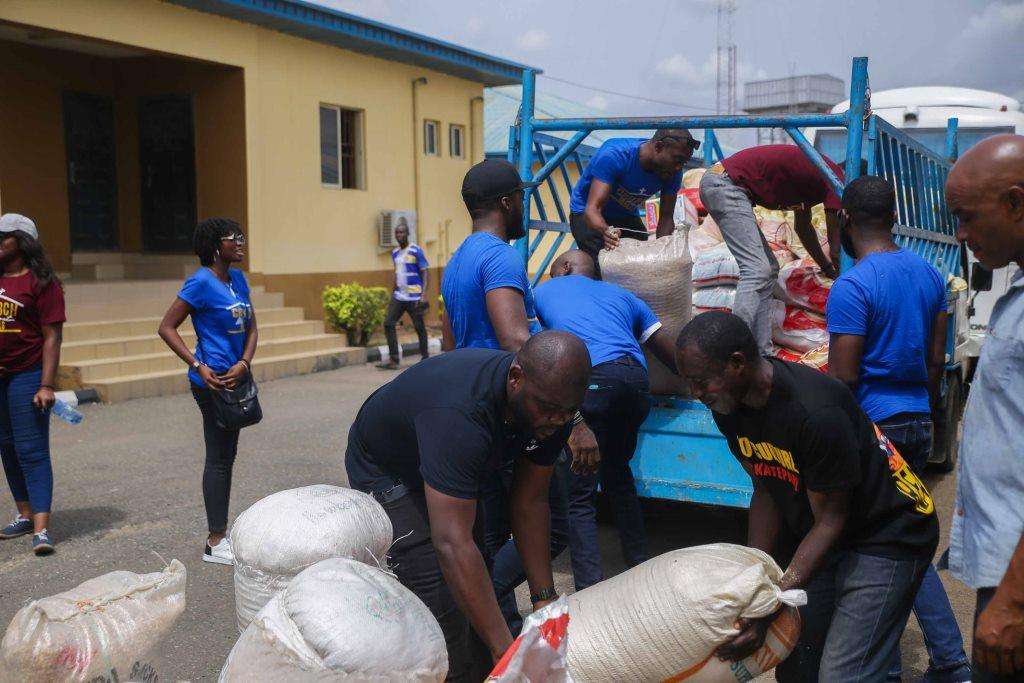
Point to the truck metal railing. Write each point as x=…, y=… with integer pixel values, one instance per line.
x=925, y=224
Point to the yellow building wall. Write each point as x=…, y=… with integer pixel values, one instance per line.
x=302, y=233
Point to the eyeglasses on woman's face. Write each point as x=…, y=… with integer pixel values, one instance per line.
x=238, y=238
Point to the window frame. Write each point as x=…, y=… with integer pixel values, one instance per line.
x=358, y=145
x=435, y=137
x=461, y=130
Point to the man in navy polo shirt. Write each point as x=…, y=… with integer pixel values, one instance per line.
x=624, y=174
x=613, y=323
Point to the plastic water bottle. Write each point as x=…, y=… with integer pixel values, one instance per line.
x=67, y=412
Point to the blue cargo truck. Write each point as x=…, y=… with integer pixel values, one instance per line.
x=681, y=454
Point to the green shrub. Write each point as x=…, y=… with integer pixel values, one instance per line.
x=355, y=310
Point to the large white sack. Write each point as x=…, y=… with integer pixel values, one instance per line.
x=282, y=534
x=340, y=620
x=658, y=271
x=107, y=628
x=665, y=617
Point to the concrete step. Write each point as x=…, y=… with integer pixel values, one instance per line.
x=143, y=326
x=264, y=369
x=106, y=266
x=135, y=345
x=84, y=374
x=120, y=308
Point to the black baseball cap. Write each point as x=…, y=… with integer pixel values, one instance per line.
x=492, y=178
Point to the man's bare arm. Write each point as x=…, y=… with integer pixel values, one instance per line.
x=507, y=313
x=600, y=193
x=844, y=355
x=531, y=523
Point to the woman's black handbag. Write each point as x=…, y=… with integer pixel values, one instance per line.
x=239, y=407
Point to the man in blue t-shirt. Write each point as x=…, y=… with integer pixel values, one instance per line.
x=407, y=294
x=624, y=174
x=613, y=323
x=887, y=326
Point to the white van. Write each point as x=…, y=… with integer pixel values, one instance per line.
x=922, y=112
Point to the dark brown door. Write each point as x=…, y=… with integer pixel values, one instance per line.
x=92, y=170
x=168, y=173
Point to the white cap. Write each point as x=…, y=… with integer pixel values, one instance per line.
x=11, y=222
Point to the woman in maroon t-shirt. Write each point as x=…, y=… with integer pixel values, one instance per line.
x=31, y=317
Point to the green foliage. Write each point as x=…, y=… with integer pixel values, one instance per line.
x=355, y=310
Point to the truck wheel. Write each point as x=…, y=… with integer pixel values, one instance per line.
x=946, y=442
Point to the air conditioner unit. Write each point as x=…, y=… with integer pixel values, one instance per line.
x=389, y=222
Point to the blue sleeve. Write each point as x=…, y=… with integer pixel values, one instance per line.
x=672, y=186
x=940, y=293
x=539, y=300
x=501, y=267
x=607, y=164
x=847, y=309
x=643, y=317
x=421, y=259
x=193, y=292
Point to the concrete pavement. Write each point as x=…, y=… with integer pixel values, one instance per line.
x=128, y=497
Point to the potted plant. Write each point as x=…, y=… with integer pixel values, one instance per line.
x=355, y=310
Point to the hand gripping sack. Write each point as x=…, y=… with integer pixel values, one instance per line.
x=107, y=628
x=663, y=619
x=658, y=271
x=282, y=534
x=340, y=620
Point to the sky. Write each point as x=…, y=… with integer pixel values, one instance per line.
x=664, y=50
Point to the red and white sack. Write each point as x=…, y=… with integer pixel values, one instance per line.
x=280, y=535
x=801, y=283
x=797, y=329
x=815, y=358
x=658, y=271
x=538, y=654
x=715, y=267
x=340, y=620
x=700, y=241
x=714, y=299
x=108, y=628
x=663, y=619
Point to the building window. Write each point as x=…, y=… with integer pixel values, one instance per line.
x=341, y=147
x=456, y=138
x=431, y=145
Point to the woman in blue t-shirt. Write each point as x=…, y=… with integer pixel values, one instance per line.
x=217, y=298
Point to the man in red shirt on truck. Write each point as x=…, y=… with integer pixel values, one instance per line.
x=775, y=177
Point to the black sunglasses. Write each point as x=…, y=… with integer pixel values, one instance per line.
x=694, y=144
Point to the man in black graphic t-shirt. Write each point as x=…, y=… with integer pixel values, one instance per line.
x=824, y=475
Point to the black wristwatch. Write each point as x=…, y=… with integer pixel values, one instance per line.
x=545, y=594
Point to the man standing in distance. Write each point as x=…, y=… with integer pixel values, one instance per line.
x=887, y=325
x=985, y=191
x=424, y=444
x=613, y=323
x=823, y=474
x=622, y=175
x=407, y=294
x=775, y=177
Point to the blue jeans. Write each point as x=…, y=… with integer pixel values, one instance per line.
x=25, y=440
x=857, y=607
x=947, y=660
x=616, y=404
x=507, y=567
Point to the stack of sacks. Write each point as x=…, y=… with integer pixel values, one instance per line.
x=282, y=534
x=797, y=329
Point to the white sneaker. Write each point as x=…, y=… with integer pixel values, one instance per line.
x=220, y=553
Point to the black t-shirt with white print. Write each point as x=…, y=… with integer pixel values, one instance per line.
x=812, y=435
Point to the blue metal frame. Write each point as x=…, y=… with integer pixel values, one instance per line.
x=681, y=454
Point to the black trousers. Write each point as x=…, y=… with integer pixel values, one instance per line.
x=415, y=563
x=221, y=449
x=591, y=243
x=395, y=310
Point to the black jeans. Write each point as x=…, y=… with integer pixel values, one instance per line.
x=979, y=675
x=395, y=310
x=415, y=563
x=221, y=449
x=616, y=404
x=507, y=571
x=590, y=243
